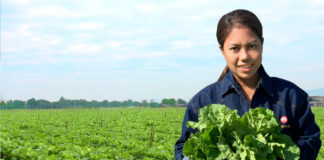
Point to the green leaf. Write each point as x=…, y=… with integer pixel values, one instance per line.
x=224, y=135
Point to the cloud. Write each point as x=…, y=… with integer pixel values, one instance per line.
x=182, y=44
x=115, y=44
x=147, y=8
x=131, y=32
x=146, y=38
x=7, y=35
x=157, y=54
x=18, y=2
x=208, y=14
x=86, y=26
x=318, y=2
x=142, y=42
x=52, y=11
x=187, y=44
x=83, y=49
x=158, y=65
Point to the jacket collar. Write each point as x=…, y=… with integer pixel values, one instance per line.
x=229, y=83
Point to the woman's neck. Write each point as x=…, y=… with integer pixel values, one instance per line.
x=248, y=85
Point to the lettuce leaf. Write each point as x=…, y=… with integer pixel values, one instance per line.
x=223, y=134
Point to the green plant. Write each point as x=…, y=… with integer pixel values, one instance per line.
x=224, y=135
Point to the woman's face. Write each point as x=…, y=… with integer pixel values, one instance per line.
x=242, y=51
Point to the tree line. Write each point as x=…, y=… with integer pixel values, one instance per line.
x=82, y=103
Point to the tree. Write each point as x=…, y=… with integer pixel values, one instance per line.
x=144, y=103
x=2, y=104
x=181, y=102
x=168, y=102
x=105, y=103
x=31, y=103
x=18, y=104
x=62, y=103
x=44, y=104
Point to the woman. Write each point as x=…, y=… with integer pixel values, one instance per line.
x=244, y=84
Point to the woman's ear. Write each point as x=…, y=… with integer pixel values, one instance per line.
x=262, y=40
x=221, y=48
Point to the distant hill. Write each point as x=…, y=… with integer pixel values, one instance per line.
x=316, y=92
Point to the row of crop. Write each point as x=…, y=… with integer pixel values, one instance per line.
x=319, y=118
x=87, y=134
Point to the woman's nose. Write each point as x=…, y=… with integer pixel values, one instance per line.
x=244, y=54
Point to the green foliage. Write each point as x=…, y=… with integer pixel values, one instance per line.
x=81, y=103
x=169, y=102
x=224, y=135
x=23, y=135
x=89, y=133
x=319, y=119
x=2, y=103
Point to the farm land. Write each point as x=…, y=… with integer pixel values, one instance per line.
x=118, y=133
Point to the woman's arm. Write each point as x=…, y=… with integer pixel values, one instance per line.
x=309, y=140
x=190, y=115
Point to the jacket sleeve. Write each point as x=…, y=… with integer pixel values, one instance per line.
x=308, y=140
x=191, y=114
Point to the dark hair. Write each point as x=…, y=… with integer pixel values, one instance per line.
x=232, y=19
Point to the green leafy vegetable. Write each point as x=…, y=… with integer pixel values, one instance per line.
x=224, y=135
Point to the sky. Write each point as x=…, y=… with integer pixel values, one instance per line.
x=119, y=50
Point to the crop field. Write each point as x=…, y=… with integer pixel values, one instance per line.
x=319, y=118
x=133, y=133
x=120, y=133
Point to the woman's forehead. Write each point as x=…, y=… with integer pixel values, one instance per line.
x=248, y=42
x=241, y=35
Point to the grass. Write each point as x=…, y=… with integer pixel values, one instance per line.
x=127, y=130
x=319, y=118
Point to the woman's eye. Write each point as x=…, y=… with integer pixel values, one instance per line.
x=234, y=48
x=253, y=46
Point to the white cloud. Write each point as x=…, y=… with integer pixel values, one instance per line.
x=147, y=8
x=5, y=35
x=18, y=2
x=158, y=65
x=182, y=44
x=24, y=29
x=54, y=42
x=115, y=44
x=23, y=62
x=154, y=36
x=209, y=14
x=186, y=44
x=85, y=35
x=318, y=2
x=156, y=54
x=131, y=32
x=52, y=11
x=86, y=26
x=187, y=3
x=36, y=39
x=83, y=49
x=141, y=42
x=121, y=57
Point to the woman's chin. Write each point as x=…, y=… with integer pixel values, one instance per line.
x=244, y=76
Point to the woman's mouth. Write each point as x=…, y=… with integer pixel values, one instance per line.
x=246, y=68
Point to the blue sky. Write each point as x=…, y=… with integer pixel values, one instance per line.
x=118, y=50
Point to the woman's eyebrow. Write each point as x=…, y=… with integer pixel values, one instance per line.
x=237, y=44
x=253, y=41
x=234, y=44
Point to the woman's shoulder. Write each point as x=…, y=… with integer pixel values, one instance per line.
x=286, y=85
x=286, y=90
x=213, y=89
x=207, y=95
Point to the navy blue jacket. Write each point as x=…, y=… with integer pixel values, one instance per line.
x=281, y=96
